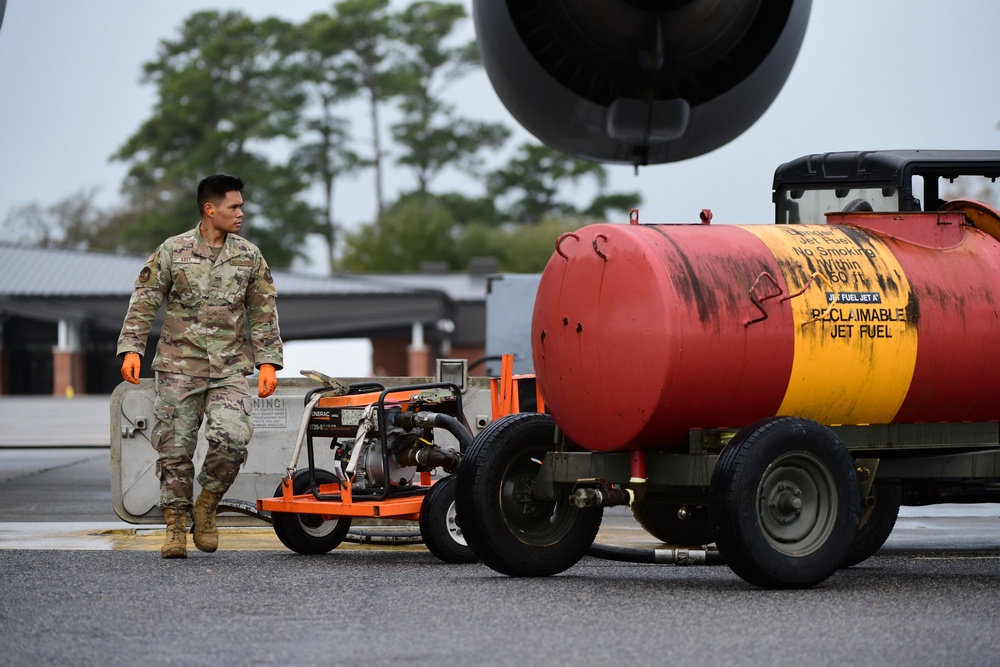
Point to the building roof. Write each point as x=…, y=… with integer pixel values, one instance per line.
x=54, y=284
x=458, y=286
x=33, y=271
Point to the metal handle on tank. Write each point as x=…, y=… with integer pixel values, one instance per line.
x=562, y=237
x=756, y=301
x=816, y=277
x=598, y=250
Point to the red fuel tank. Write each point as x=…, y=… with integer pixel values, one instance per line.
x=643, y=332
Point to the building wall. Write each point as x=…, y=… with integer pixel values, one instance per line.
x=391, y=357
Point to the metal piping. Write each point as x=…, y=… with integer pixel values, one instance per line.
x=433, y=420
x=300, y=440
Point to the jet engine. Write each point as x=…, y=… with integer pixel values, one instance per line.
x=638, y=81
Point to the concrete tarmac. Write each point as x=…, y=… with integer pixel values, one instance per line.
x=48, y=421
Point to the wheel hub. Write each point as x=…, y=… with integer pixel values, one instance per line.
x=533, y=521
x=786, y=503
x=524, y=500
x=796, y=501
x=455, y=530
x=316, y=525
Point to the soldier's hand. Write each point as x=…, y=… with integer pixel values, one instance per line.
x=130, y=367
x=266, y=381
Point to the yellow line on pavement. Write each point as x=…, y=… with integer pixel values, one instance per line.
x=230, y=539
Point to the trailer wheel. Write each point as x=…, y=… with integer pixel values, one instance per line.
x=660, y=519
x=785, y=503
x=876, y=524
x=309, y=533
x=439, y=524
x=511, y=530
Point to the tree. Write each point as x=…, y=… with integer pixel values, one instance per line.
x=453, y=229
x=467, y=210
x=366, y=30
x=415, y=230
x=972, y=187
x=329, y=156
x=225, y=92
x=432, y=136
x=69, y=223
x=534, y=178
x=517, y=248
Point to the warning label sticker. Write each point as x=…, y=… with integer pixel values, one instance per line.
x=854, y=297
x=269, y=413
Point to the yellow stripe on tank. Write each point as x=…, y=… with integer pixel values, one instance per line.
x=854, y=348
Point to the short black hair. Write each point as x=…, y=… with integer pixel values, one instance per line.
x=214, y=188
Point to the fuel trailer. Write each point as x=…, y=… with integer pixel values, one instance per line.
x=779, y=390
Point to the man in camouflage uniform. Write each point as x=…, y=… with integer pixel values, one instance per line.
x=211, y=280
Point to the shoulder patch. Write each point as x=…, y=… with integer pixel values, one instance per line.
x=144, y=274
x=267, y=275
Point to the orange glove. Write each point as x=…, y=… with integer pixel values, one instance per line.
x=266, y=381
x=130, y=367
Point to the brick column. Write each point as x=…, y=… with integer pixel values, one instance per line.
x=418, y=362
x=417, y=354
x=67, y=373
x=68, y=369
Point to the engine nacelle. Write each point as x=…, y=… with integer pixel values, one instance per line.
x=638, y=81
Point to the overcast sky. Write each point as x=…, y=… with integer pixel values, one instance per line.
x=872, y=74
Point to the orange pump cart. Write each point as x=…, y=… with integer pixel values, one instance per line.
x=385, y=460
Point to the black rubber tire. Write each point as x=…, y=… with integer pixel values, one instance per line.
x=876, y=524
x=858, y=205
x=660, y=520
x=439, y=524
x=309, y=534
x=510, y=531
x=785, y=503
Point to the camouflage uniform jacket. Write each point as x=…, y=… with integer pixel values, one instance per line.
x=203, y=332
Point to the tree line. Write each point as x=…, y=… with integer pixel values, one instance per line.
x=232, y=93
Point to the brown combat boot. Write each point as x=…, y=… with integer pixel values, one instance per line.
x=175, y=545
x=206, y=535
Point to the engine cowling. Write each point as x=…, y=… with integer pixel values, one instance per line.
x=638, y=81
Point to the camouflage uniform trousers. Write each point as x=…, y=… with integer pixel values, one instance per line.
x=182, y=402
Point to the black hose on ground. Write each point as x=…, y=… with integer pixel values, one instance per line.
x=244, y=507
x=361, y=536
x=676, y=556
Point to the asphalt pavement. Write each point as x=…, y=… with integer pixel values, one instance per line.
x=79, y=586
